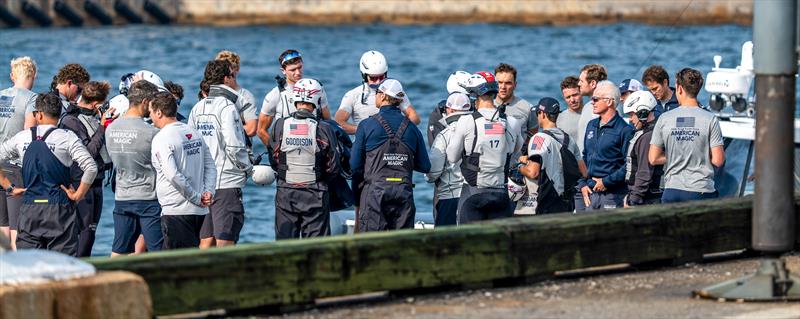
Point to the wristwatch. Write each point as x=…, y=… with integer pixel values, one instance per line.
x=10, y=188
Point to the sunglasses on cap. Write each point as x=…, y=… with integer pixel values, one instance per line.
x=290, y=56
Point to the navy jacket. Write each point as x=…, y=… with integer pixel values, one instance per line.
x=669, y=106
x=605, y=149
x=370, y=135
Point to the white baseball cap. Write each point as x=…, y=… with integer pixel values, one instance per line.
x=393, y=88
x=458, y=101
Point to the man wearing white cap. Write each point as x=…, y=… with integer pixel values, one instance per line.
x=447, y=176
x=387, y=148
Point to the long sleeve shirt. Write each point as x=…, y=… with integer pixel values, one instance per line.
x=184, y=169
x=605, y=149
x=87, y=127
x=65, y=145
x=370, y=135
x=645, y=179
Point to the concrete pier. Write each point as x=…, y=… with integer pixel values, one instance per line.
x=323, y=12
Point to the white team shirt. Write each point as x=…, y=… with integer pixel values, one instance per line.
x=184, y=169
x=281, y=104
x=64, y=144
x=360, y=103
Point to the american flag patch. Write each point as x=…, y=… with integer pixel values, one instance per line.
x=494, y=129
x=538, y=141
x=298, y=129
x=684, y=122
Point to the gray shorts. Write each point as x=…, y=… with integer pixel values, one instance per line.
x=226, y=216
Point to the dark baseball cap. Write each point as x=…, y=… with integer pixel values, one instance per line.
x=548, y=105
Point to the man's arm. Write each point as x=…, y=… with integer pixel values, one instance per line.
x=235, y=144
x=718, y=156
x=618, y=177
x=357, y=154
x=438, y=158
x=331, y=149
x=422, y=162
x=80, y=155
x=456, y=146
x=532, y=168
x=644, y=173
x=341, y=118
x=412, y=115
x=264, y=122
x=209, y=172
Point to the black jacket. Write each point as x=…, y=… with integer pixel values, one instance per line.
x=94, y=143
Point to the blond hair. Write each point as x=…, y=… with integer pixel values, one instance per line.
x=231, y=57
x=23, y=68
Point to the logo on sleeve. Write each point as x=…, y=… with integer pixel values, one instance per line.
x=188, y=136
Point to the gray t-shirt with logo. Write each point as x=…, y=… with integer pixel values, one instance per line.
x=128, y=140
x=687, y=134
x=14, y=104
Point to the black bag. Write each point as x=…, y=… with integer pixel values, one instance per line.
x=569, y=164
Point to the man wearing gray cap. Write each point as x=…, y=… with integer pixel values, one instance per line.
x=447, y=176
x=387, y=148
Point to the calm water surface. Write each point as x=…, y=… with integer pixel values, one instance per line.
x=421, y=57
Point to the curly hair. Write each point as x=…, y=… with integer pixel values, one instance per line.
x=595, y=72
x=231, y=57
x=174, y=88
x=655, y=73
x=23, y=67
x=95, y=91
x=72, y=72
x=216, y=71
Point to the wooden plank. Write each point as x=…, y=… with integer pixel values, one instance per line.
x=300, y=271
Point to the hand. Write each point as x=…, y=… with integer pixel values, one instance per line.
x=104, y=118
x=523, y=159
x=206, y=199
x=598, y=186
x=625, y=202
x=585, y=191
x=17, y=191
x=72, y=194
x=136, y=77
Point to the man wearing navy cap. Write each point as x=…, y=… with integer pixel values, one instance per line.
x=387, y=148
x=549, y=175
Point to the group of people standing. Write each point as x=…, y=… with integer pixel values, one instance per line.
x=490, y=153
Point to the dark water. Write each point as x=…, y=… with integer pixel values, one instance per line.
x=421, y=57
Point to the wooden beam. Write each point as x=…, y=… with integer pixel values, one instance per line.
x=299, y=271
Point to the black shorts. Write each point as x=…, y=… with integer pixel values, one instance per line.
x=226, y=216
x=181, y=231
x=9, y=206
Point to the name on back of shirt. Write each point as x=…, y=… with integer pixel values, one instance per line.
x=206, y=128
x=123, y=136
x=192, y=147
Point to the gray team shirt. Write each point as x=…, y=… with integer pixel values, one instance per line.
x=568, y=121
x=14, y=104
x=519, y=109
x=688, y=134
x=587, y=115
x=128, y=141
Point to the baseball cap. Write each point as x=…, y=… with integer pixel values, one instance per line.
x=548, y=105
x=458, y=101
x=630, y=85
x=393, y=88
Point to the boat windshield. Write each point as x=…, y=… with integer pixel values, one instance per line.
x=737, y=177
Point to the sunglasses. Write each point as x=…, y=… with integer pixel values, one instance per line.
x=289, y=57
x=376, y=78
x=598, y=98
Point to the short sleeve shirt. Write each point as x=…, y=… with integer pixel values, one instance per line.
x=687, y=134
x=281, y=103
x=247, y=105
x=360, y=103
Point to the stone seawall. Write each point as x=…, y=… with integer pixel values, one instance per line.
x=529, y=12
x=324, y=12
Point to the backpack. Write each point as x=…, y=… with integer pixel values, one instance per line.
x=569, y=164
